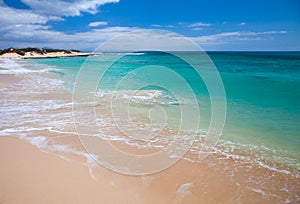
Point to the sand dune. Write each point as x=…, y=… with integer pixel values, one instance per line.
x=37, y=55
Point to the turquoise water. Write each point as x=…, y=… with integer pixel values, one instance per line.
x=262, y=92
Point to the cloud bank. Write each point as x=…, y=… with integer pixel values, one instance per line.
x=32, y=27
x=98, y=23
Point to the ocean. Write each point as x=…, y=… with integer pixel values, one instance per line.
x=262, y=93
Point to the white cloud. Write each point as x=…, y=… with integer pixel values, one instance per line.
x=199, y=24
x=162, y=26
x=23, y=27
x=198, y=28
x=156, y=25
x=40, y=37
x=170, y=26
x=11, y=16
x=242, y=24
x=65, y=7
x=226, y=37
x=98, y=23
x=273, y=32
x=150, y=40
x=44, y=11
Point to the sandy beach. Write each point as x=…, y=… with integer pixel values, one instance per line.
x=30, y=176
x=34, y=55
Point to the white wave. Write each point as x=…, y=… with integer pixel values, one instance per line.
x=118, y=53
x=13, y=67
x=143, y=94
x=144, y=97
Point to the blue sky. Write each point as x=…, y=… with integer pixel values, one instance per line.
x=214, y=25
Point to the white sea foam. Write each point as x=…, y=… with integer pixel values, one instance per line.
x=118, y=53
x=128, y=94
x=13, y=67
x=143, y=97
x=43, y=143
x=261, y=192
x=184, y=188
x=39, y=141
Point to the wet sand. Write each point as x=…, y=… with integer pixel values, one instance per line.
x=28, y=176
x=7, y=79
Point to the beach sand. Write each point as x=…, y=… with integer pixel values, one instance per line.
x=29, y=176
x=7, y=79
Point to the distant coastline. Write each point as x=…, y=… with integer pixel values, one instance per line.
x=30, y=53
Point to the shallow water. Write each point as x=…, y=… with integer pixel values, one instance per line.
x=262, y=91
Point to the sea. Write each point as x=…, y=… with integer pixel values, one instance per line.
x=133, y=101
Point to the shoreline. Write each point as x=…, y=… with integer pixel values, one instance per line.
x=33, y=153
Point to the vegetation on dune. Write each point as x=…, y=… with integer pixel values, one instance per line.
x=12, y=50
x=22, y=51
x=36, y=50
